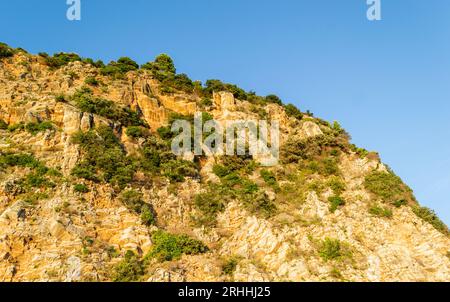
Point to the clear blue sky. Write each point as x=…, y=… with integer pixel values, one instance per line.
x=387, y=82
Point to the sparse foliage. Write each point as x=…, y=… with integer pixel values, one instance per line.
x=333, y=249
x=87, y=102
x=168, y=247
x=388, y=187
x=378, y=211
x=130, y=269
x=81, y=188
x=5, y=51
x=336, y=202
x=293, y=111
x=430, y=216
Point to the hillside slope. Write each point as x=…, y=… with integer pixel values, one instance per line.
x=89, y=190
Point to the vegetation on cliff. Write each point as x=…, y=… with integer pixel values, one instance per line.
x=117, y=199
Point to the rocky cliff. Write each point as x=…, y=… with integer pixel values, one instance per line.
x=72, y=209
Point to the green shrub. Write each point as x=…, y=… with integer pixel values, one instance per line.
x=336, y=202
x=33, y=198
x=37, y=180
x=260, y=111
x=259, y=203
x=126, y=64
x=86, y=102
x=317, y=186
x=241, y=164
x=206, y=102
x=85, y=171
x=174, y=116
x=158, y=159
x=330, y=167
x=34, y=128
x=133, y=200
x=218, y=86
x=112, y=70
x=273, y=99
x=19, y=49
x=178, y=170
x=210, y=204
x=430, y=216
x=98, y=64
x=337, y=185
x=120, y=68
x=249, y=187
x=73, y=75
x=221, y=171
x=117, y=70
x=164, y=71
x=163, y=64
x=5, y=51
x=400, y=203
x=112, y=252
x=314, y=148
x=322, y=166
x=19, y=160
x=335, y=152
x=330, y=249
x=234, y=186
x=179, y=82
x=380, y=211
x=337, y=127
x=293, y=111
x=130, y=269
x=168, y=247
x=229, y=267
x=361, y=152
x=80, y=188
x=333, y=249
x=91, y=81
x=309, y=113
x=233, y=181
x=148, y=216
x=268, y=177
x=61, y=98
x=136, y=132
x=40, y=175
x=387, y=186
x=151, y=154
x=103, y=158
x=59, y=60
x=3, y=125
x=16, y=127
x=165, y=133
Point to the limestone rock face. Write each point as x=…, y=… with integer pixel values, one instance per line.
x=155, y=115
x=156, y=107
x=72, y=120
x=224, y=101
x=314, y=207
x=58, y=234
x=311, y=129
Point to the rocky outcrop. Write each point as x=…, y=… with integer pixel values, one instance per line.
x=69, y=236
x=311, y=129
x=224, y=101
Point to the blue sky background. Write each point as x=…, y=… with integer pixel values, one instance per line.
x=387, y=82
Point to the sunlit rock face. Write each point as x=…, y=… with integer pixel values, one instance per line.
x=60, y=234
